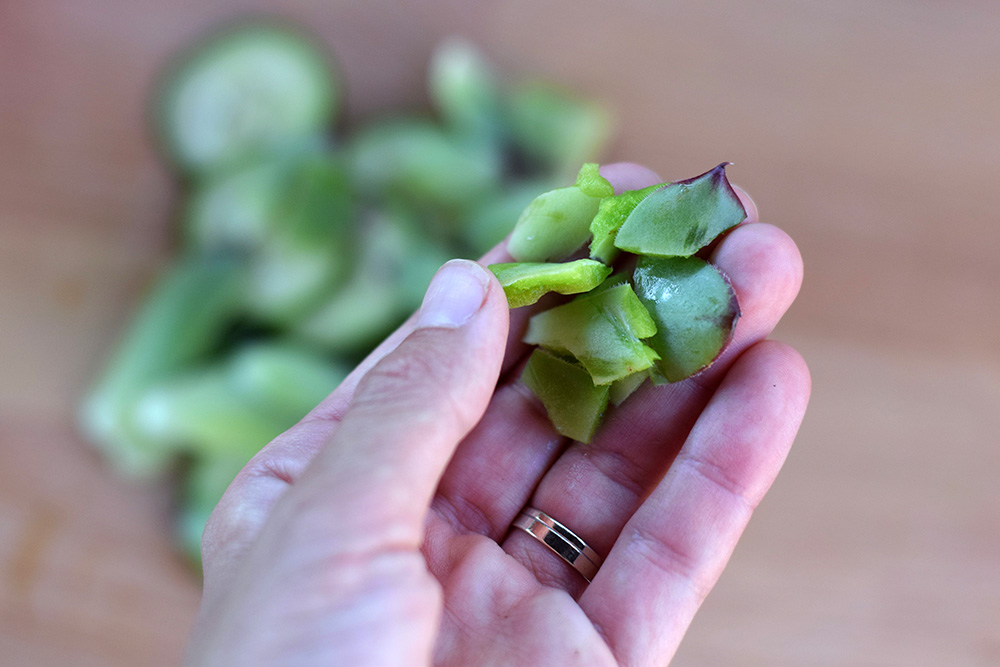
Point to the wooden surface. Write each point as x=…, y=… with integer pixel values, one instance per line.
x=870, y=131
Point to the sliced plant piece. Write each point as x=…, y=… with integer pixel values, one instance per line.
x=683, y=217
x=354, y=318
x=695, y=309
x=396, y=264
x=309, y=248
x=493, y=218
x=622, y=389
x=288, y=379
x=423, y=164
x=591, y=183
x=244, y=93
x=234, y=210
x=609, y=219
x=182, y=321
x=555, y=129
x=201, y=411
x=575, y=405
x=465, y=89
x=555, y=224
x=239, y=405
x=524, y=283
x=603, y=331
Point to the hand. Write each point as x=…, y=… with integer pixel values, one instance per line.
x=377, y=530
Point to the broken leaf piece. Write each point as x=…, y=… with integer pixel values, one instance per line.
x=683, y=217
x=421, y=163
x=465, y=88
x=622, y=389
x=488, y=222
x=307, y=250
x=555, y=129
x=591, y=183
x=186, y=314
x=557, y=222
x=603, y=331
x=524, y=283
x=610, y=216
x=553, y=226
x=574, y=404
x=695, y=310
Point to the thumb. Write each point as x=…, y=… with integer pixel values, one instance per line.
x=412, y=409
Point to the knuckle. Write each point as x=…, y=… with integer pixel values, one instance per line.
x=420, y=380
x=234, y=519
x=244, y=506
x=404, y=369
x=669, y=558
x=423, y=359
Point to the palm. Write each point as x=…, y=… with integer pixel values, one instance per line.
x=497, y=612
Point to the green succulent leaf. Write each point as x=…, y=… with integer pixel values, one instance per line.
x=289, y=379
x=683, y=217
x=555, y=129
x=622, y=389
x=235, y=407
x=695, y=310
x=603, y=331
x=421, y=163
x=244, y=94
x=574, y=404
x=556, y=223
x=201, y=410
x=524, y=283
x=308, y=249
x=591, y=183
x=610, y=216
x=182, y=322
x=554, y=226
x=395, y=264
x=465, y=89
x=233, y=211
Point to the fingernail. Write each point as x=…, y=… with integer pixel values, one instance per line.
x=456, y=293
x=749, y=205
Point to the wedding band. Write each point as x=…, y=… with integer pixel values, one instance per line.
x=560, y=539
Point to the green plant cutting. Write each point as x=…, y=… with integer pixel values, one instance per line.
x=665, y=317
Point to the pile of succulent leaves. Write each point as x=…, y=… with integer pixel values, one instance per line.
x=303, y=244
x=665, y=315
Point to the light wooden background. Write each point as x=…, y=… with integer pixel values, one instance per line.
x=868, y=130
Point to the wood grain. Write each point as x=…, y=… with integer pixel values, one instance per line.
x=867, y=130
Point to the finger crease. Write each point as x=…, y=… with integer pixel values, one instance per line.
x=670, y=560
x=621, y=470
x=336, y=416
x=530, y=399
x=717, y=476
x=463, y=517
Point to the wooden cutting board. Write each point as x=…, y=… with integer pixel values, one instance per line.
x=867, y=130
